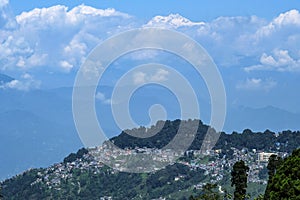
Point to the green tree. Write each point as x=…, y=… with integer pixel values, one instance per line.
x=1, y=196
x=239, y=175
x=273, y=165
x=285, y=184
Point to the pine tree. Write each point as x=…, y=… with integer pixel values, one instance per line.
x=1, y=196
x=239, y=177
x=273, y=165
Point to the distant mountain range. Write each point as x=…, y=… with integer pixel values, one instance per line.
x=37, y=128
x=260, y=119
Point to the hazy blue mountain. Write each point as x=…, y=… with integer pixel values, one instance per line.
x=5, y=79
x=260, y=119
x=37, y=126
x=28, y=140
x=36, y=129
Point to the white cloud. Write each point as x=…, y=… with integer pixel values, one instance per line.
x=159, y=76
x=172, y=20
x=233, y=40
x=229, y=39
x=101, y=97
x=66, y=65
x=139, y=78
x=27, y=82
x=60, y=38
x=290, y=18
x=236, y=38
x=37, y=60
x=256, y=84
x=31, y=61
x=75, y=47
x=280, y=61
x=60, y=15
x=4, y=3
x=79, y=13
x=43, y=17
x=57, y=37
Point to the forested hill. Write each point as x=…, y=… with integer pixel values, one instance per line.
x=285, y=141
x=82, y=176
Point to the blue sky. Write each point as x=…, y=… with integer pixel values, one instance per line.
x=254, y=43
x=193, y=9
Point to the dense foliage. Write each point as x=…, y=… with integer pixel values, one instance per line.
x=285, y=183
x=73, y=156
x=85, y=184
x=285, y=141
x=239, y=176
x=273, y=164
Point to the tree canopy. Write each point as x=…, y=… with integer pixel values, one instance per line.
x=285, y=184
x=239, y=177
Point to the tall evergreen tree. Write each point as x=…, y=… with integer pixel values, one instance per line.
x=1, y=196
x=285, y=183
x=239, y=175
x=274, y=163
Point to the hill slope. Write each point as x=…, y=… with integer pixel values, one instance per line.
x=82, y=176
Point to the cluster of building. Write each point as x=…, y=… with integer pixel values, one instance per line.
x=137, y=160
x=215, y=164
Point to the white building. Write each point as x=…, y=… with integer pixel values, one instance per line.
x=264, y=157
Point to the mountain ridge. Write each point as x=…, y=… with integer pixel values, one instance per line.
x=81, y=176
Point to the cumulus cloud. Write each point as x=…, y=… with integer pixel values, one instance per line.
x=284, y=20
x=280, y=60
x=139, y=78
x=26, y=82
x=226, y=38
x=256, y=84
x=60, y=15
x=159, y=76
x=31, y=61
x=66, y=65
x=101, y=97
x=172, y=20
x=58, y=37
x=233, y=41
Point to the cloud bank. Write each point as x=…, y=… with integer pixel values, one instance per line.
x=58, y=39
